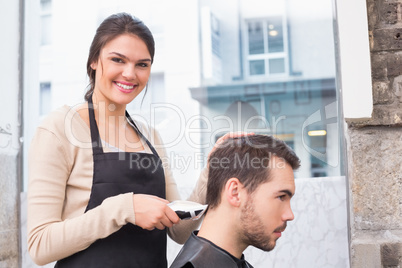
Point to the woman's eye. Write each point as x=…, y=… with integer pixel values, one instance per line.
x=143, y=64
x=118, y=60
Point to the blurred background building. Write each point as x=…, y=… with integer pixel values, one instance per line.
x=281, y=67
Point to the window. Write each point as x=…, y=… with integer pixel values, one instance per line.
x=46, y=22
x=266, y=49
x=284, y=82
x=45, y=102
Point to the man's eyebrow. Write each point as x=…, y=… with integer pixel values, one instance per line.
x=125, y=57
x=287, y=192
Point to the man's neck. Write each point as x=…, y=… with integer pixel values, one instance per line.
x=221, y=231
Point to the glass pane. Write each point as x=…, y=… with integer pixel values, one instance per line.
x=255, y=38
x=46, y=33
x=238, y=23
x=276, y=66
x=45, y=5
x=275, y=35
x=257, y=67
x=225, y=84
x=45, y=98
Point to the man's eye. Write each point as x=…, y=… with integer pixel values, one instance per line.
x=282, y=197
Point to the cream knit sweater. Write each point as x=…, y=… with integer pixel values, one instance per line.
x=60, y=181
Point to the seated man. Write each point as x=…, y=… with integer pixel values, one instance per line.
x=250, y=184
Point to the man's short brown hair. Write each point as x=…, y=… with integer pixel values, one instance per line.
x=247, y=158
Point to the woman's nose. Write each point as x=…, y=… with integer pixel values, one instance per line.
x=129, y=73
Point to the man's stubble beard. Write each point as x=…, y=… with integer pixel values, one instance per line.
x=253, y=228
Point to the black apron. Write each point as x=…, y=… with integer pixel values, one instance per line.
x=117, y=173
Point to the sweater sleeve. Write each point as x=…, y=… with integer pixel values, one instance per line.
x=179, y=232
x=172, y=192
x=50, y=237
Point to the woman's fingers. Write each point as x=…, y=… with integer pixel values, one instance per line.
x=152, y=212
x=227, y=136
x=171, y=215
x=234, y=135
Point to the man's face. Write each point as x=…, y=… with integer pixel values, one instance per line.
x=267, y=210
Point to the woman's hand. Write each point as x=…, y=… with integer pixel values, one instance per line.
x=152, y=212
x=229, y=135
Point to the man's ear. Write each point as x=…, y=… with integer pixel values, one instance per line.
x=234, y=191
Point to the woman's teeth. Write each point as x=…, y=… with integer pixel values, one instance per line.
x=125, y=86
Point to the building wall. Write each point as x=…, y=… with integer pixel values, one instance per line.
x=375, y=147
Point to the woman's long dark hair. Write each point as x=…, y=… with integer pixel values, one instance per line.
x=112, y=27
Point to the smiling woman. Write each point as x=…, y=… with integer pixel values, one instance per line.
x=91, y=207
x=122, y=70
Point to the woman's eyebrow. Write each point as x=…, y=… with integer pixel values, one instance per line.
x=127, y=58
x=120, y=55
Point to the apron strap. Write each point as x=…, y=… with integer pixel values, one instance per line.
x=95, y=137
x=96, y=140
x=141, y=135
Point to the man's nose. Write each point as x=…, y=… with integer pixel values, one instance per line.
x=288, y=215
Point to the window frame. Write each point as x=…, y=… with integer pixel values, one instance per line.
x=267, y=55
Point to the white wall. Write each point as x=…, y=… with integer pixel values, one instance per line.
x=355, y=66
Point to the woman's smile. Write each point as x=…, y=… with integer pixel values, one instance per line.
x=125, y=87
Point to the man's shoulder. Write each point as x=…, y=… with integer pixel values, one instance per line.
x=201, y=253
x=182, y=259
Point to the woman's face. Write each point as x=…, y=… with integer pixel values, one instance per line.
x=122, y=70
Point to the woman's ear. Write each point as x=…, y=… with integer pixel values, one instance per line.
x=234, y=191
x=94, y=65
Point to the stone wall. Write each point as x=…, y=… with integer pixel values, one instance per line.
x=374, y=148
x=9, y=212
